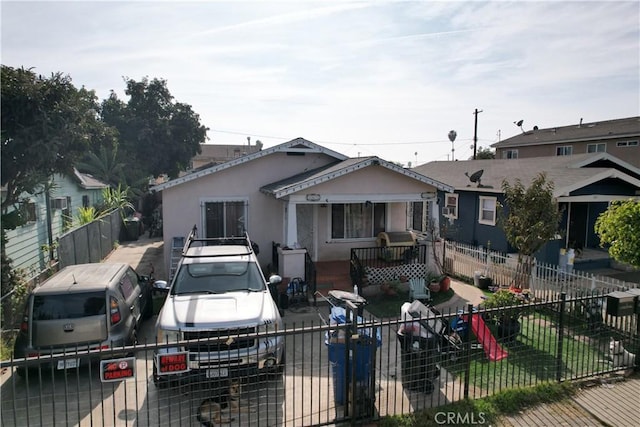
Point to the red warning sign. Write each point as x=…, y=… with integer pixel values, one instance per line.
x=117, y=369
x=172, y=363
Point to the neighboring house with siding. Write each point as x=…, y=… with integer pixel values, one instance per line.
x=299, y=194
x=584, y=186
x=619, y=138
x=69, y=193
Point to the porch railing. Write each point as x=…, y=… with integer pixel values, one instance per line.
x=379, y=264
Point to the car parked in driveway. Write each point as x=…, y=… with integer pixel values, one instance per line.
x=97, y=306
x=219, y=300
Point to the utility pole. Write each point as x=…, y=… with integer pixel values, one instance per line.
x=475, y=132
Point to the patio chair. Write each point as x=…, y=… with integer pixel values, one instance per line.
x=418, y=289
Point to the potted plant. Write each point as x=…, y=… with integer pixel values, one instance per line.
x=445, y=283
x=434, y=282
x=507, y=316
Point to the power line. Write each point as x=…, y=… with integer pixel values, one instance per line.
x=439, y=141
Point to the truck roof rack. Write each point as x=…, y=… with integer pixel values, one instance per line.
x=194, y=240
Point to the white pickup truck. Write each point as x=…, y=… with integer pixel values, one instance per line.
x=218, y=304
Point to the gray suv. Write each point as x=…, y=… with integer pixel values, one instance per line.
x=83, y=307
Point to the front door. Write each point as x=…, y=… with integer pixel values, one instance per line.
x=304, y=214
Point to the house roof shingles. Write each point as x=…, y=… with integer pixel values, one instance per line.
x=566, y=172
x=609, y=129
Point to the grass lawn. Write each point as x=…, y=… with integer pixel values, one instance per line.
x=532, y=357
x=388, y=306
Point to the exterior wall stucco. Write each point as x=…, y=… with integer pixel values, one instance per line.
x=181, y=207
x=372, y=180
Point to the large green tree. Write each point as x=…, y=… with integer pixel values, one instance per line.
x=47, y=125
x=530, y=220
x=619, y=229
x=156, y=134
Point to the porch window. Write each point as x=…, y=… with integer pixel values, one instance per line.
x=357, y=220
x=487, y=210
x=225, y=218
x=418, y=218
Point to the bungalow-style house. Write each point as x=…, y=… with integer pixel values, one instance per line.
x=298, y=194
x=584, y=185
x=619, y=137
x=47, y=221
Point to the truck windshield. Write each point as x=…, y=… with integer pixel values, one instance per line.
x=219, y=277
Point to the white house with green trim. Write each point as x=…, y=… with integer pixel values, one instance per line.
x=25, y=243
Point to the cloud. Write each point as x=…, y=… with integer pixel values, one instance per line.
x=390, y=78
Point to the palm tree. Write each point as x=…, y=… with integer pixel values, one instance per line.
x=104, y=166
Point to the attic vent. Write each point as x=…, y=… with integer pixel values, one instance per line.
x=59, y=203
x=295, y=153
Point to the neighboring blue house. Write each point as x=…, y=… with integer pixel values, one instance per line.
x=584, y=185
x=69, y=193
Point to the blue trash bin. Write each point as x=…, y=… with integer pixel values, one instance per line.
x=364, y=350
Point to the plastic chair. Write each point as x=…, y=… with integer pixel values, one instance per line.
x=418, y=289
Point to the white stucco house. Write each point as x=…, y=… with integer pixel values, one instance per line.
x=301, y=195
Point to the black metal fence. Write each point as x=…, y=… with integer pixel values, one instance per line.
x=402, y=365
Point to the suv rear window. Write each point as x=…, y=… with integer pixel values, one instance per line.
x=68, y=306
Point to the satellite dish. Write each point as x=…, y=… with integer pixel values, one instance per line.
x=519, y=122
x=475, y=177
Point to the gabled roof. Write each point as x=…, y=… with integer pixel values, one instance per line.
x=87, y=181
x=314, y=177
x=568, y=173
x=609, y=129
x=299, y=145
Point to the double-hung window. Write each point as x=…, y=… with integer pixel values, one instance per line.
x=357, y=220
x=510, y=154
x=487, y=214
x=600, y=147
x=225, y=218
x=564, y=150
x=450, y=209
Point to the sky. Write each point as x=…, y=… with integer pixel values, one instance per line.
x=363, y=78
